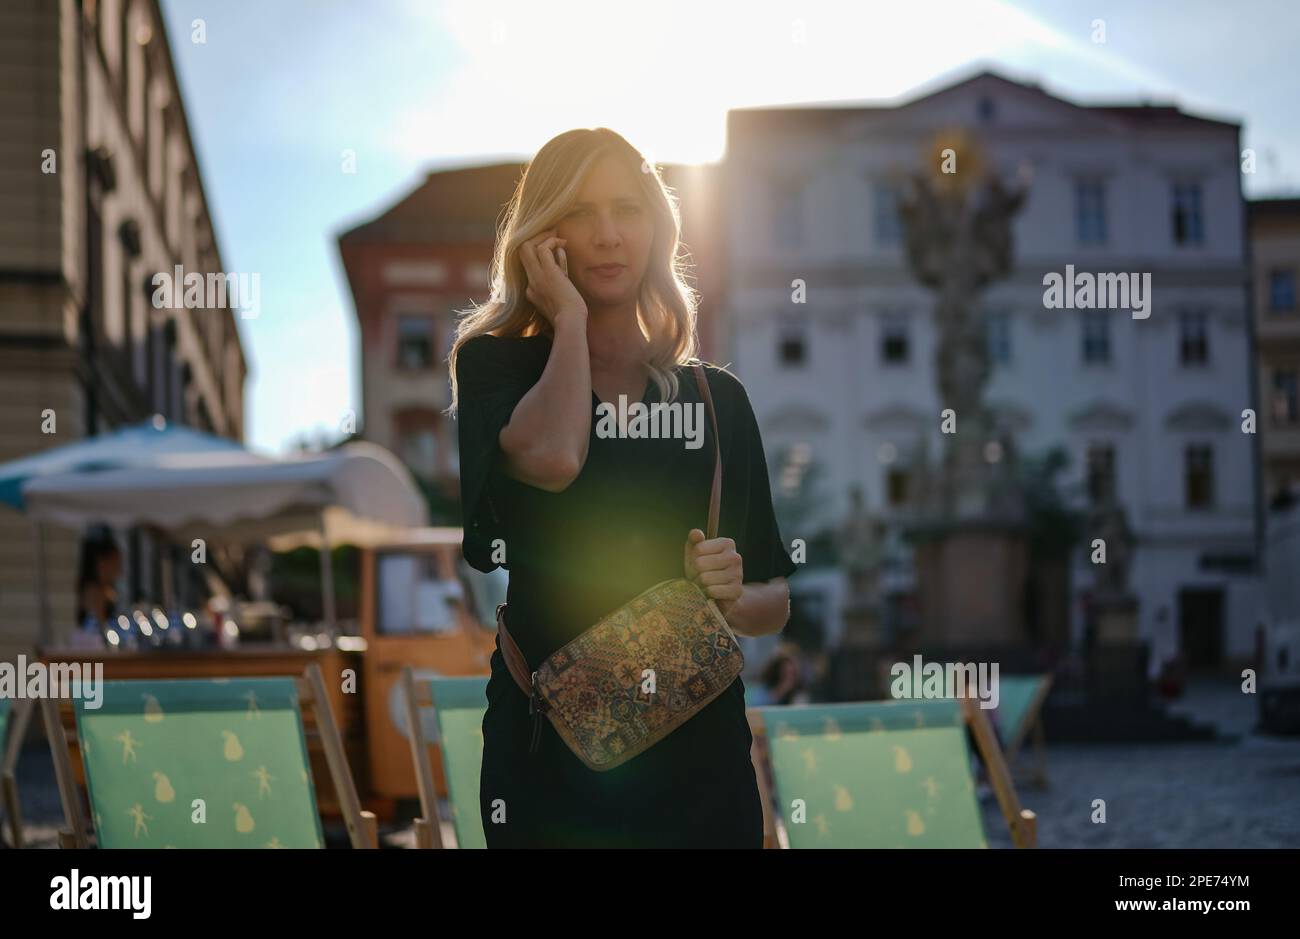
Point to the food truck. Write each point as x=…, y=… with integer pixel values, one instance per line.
x=422, y=605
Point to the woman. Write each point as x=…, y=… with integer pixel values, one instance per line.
x=101, y=566
x=589, y=305
x=781, y=678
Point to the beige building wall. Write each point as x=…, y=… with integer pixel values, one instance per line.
x=74, y=79
x=1276, y=245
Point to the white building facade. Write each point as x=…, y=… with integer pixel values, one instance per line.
x=1151, y=407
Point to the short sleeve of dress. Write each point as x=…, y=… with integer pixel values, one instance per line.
x=492, y=374
x=747, y=514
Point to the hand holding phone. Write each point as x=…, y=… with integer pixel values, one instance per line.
x=549, y=289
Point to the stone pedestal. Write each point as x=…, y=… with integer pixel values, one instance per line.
x=1117, y=620
x=862, y=625
x=864, y=640
x=971, y=583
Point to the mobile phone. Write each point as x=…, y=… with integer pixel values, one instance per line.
x=563, y=259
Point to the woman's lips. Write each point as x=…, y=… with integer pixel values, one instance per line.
x=607, y=271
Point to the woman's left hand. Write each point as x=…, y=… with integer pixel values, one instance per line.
x=714, y=564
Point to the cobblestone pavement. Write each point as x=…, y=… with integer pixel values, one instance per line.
x=1240, y=792
x=1204, y=795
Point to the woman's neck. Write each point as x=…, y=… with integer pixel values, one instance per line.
x=614, y=337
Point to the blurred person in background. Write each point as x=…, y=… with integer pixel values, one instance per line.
x=101, y=566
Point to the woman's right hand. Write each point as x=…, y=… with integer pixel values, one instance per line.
x=549, y=289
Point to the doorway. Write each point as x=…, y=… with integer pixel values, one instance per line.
x=1200, y=626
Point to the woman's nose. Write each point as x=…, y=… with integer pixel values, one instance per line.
x=606, y=230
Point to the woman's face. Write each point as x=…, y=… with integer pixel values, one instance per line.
x=608, y=233
x=110, y=567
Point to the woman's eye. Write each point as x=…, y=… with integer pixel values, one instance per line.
x=631, y=210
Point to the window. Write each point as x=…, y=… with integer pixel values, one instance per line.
x=1090, y=212
x=1187, y=214
x=168, y=367
x=794, y=463
x=986, y=109
x=1199, y=476
x=147, y=130
x=416, y=431
x=128, y=314
x=1096, y=337
x=125, y=52
x=1286, y=400
x=414, y=341
x=893, y=339
x=787, y=212
x=151, y=360
x=413, y=597
x=897, y=486
x=997, y=326
x=792, y=348
x=888, y=224
x=1101, y=473
x=1194, y=339
x=1281, y=290
x=419, y=450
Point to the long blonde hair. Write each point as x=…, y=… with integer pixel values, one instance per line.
x=666, y=304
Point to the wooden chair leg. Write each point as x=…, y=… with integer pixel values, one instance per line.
x=758, y=757
x=420, y=757
x=1029, y=828
x=332, y=743
x=370, y=828
x=68, y=795
x=67, y=839
x=423, y=834
x=12, y=810
x=18, y=721
x=1022, y=834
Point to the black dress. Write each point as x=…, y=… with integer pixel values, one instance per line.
x=576, y=555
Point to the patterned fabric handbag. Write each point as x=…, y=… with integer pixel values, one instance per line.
x=593, y=688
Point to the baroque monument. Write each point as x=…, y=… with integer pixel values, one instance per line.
x=972, y=553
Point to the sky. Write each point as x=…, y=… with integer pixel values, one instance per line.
x=278, y=90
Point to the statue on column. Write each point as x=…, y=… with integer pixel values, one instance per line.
x=860, y=550
x=958, y=229
x=1109, y=522
x=972, y=536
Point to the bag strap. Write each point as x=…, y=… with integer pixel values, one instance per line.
x=515, y=661
x=715, y=496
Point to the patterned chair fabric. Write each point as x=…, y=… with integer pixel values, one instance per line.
x=890, y=774
x=1015, y=695
x=155, y=747
x=459, y=705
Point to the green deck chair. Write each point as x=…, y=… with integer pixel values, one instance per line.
x=889, y=774
x=1020, y=700
x=12, y=719
x=458, y=707
x=154, y=747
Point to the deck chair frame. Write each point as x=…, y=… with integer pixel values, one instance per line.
x=1022, y=822
x=417, y=695
x=20, y=716
x=362, y=826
